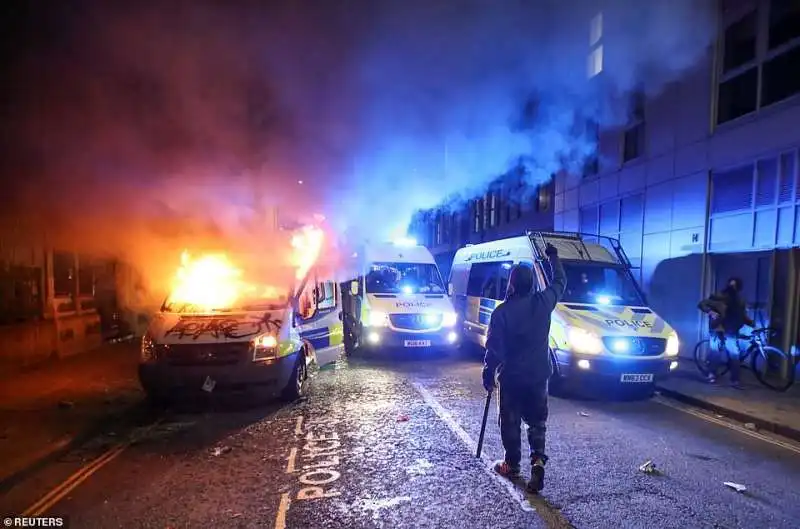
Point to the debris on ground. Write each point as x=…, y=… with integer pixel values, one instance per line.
x=219, y=450
x=718, y=416
x=66, y=404
x=236, y=515
x=208, y=385
x=583, y=414
x=403, y=418
x=750, y=426
x=735, y=486
x=648, y=467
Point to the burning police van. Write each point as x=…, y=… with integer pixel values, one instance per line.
x=217, y=332
x=398, y=300
x=601, y=330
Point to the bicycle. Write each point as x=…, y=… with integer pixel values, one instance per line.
x=768, y=363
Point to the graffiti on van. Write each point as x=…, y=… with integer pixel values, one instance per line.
x=230, y=328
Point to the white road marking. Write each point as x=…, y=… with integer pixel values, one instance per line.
x=732, y=426
x=280, y=517
x=454, y=427
x=298, y=427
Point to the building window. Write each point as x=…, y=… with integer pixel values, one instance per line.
x=543, y=199
x=490, y=209
x=85, y=277
x=476, y=216
x=633, y=137
x=63, y=274
x=592, y=164
x=595, y=60
x=747, y=70
x=588, y=220
x=439, y=228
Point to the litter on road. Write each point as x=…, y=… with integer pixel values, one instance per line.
x=648, y=467
x=735, y=486
x=219, y=450
x=750, y=426
x=583, y=414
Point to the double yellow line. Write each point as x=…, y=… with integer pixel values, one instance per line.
x=71, y=483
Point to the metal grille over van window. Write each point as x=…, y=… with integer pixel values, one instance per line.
x=733, y=190
x=416, y=322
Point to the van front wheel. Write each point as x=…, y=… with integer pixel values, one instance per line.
x=296, y=387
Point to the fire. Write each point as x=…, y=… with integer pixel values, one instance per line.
x=214, y=282
x=307, y=246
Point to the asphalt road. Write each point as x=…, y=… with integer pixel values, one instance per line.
x=391, y=444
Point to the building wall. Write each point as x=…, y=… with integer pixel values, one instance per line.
x=508, y=210
x=703, y=183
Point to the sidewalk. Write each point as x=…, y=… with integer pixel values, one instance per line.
x=766, y=409
x=45, y=410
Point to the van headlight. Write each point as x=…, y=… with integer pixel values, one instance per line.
x=673, y=345
x=377, y=319
x=147, y=352
x=583, y=341
x=264, y=347
x=449, y=319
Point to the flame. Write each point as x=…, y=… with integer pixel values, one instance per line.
x=214, y=282
x=307, y=244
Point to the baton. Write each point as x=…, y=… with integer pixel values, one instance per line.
x=483, y=424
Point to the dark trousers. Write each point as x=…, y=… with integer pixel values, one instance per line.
x=527, y=404
x=731, y=343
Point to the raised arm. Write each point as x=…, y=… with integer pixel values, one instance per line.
x=555, y=291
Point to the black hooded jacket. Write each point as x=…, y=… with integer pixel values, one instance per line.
x=518, y=339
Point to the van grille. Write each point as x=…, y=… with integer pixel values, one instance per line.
x=636, y=345
x=416, y=322
x=203, y=354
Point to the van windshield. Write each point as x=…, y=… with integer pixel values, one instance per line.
x=600, y=284
x=404, y=278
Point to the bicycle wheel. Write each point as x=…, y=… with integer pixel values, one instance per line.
x=772, y=367
x=702, y=352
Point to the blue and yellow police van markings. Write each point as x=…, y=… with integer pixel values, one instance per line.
x=618, y=318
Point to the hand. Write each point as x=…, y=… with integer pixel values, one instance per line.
x=488, y=379
x=713, y=315
x=551, y=251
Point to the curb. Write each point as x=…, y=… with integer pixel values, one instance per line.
x=65, y=445
x=761, y=424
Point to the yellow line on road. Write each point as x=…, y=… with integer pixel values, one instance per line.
x=731, y=426
x=280, y=518
x=68, y=485
x=298, y=427
x=82, y=474
x=290, y=464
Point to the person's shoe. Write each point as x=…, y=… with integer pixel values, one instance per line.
x=536, y=484
x=711, y=378
x=506, y=470
x=736, y=385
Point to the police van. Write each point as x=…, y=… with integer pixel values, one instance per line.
x=602, y=330
x=263, y=345
x=398, y=300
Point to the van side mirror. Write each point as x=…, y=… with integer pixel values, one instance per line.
x=354, y=288
x=450, y=289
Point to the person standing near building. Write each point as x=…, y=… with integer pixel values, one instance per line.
x=727, y=311
x=518, y=359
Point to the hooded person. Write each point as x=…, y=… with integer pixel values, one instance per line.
x=727, y=311
x=518, y=360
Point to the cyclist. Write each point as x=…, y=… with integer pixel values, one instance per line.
x=727, y=315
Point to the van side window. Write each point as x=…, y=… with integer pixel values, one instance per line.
x=489, y=280
x=326, y=295
x=477, y=278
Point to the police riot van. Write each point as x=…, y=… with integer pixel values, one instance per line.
x=263, y=344
x=398, y=300
x=602, y=329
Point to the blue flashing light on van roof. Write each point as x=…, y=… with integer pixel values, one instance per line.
x=603, y=300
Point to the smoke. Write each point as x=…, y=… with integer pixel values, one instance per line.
x=139, y=129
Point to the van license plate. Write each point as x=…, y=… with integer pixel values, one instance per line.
x=637, y=379
x=417, y=343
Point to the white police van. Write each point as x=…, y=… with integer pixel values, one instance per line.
x=601, y=330
x=398, y=300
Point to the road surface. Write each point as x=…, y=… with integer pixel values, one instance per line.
x=391, y=444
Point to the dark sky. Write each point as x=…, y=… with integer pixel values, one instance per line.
x=168, y=116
